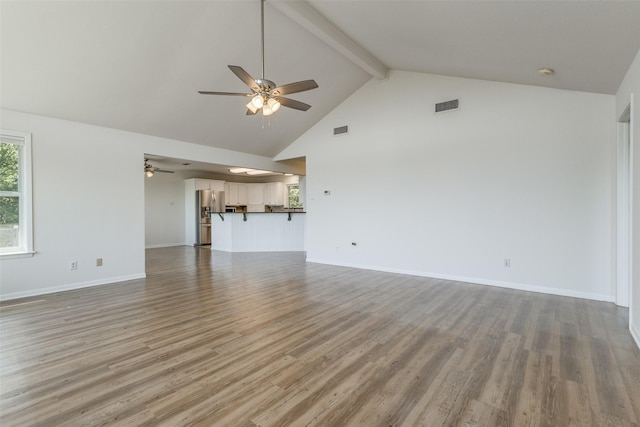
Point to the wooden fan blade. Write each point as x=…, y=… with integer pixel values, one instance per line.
x=162, y=170
x=294, y=87
x=292, y=103
x=245, y=77
x=204, y=92
x=251, y=113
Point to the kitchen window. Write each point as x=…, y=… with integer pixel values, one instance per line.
x=294, y=196
x=16, y=224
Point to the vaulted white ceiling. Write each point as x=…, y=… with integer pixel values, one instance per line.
x=137, y=65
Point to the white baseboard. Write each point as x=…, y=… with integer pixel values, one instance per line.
x=478, y=281
x=166, y=245
x=44, y=291
x=635, y=335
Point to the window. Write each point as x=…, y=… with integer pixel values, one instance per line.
x=294, y=196
x=15, y=193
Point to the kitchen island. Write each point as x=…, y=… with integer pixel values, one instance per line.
x=258, y=231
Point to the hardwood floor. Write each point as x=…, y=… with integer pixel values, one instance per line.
x=266, y=339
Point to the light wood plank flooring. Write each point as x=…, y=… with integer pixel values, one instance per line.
x=219, y=339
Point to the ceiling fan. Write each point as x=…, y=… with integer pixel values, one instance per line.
x=265, y=94
x=150, y=170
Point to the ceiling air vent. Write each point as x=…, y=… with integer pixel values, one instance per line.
x=340, y=130
x=454, y=104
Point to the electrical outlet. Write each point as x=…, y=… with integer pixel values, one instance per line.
x=73, y=265
x=98, y=262
x=507, y=263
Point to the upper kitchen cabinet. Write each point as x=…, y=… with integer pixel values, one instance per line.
x=235, y=194
x=271, y=193
x=230, y=193
x=255, y=194
x=208, y=184
x=274, y=193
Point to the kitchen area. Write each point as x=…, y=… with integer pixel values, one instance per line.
x=245, y=217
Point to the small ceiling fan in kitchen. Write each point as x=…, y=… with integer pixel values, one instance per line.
x=266, y=95
x=150, y=170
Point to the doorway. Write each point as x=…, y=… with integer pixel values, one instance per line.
x=623, y=208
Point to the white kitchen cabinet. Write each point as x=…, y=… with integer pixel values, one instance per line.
x=230, y=193
x=235, y=193
x=208, y=184
x=202, y=184
x=255, y=194
x=274, y=193
x=242, y=194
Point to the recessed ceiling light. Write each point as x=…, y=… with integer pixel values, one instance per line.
x=186, y=164
x=545, y=72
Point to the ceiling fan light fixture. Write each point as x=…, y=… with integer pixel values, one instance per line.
x=273, y=104
x=149, y=173
x=263, y=91
x=251, y=107
x=257, y=101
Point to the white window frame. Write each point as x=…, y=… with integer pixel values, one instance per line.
x=25, y=193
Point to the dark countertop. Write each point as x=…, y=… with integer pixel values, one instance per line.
x=270, y=213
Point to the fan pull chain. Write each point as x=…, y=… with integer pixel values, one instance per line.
x=268, y=122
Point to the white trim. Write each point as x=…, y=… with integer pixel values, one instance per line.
x=632, y=224
x=14, y=255
x=166, y=245
x=635, y=335
x=623, y=211
x=478, y=281
x=53, y=289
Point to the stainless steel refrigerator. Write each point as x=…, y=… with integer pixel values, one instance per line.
x=208, y=202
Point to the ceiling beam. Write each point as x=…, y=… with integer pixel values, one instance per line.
x=305, y=15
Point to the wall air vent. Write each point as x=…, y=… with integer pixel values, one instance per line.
x=340, y=130
x=441, y=107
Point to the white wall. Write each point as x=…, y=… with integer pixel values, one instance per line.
x=518, y=172
x=629, y=88
x=89, y=202
x=164, y=210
